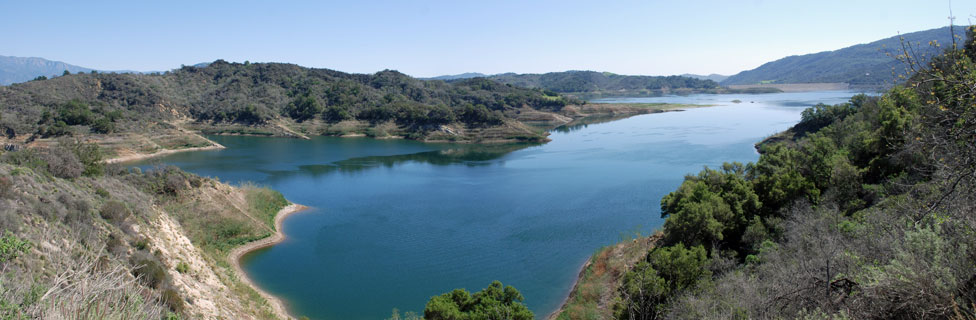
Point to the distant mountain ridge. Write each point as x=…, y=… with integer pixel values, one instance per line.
x=466, y=75
x=714, y=77
x=859, y=65
x=20, y=69
x=23, y=69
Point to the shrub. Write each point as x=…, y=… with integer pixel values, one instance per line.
x=149, y=270
x=182, y=267
x=75, y=113
x=63, y=165
x=103, y=125
x=172, y=299
x=27, y=157
x=114, y=244
x=101, y=192
x=59, y=128
x=12, y=247
x=115, y=211
x=142, y=244
x=6, y=187
x=88, y=153
x=174, y=182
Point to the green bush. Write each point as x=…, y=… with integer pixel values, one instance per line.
x=101, y=192
x=103, y=125
x=149, y=270
x=12, y=247
x=182, y=267
x=172, y=299
x=115, y=211
x=667, y=271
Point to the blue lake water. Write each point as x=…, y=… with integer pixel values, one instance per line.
x=394, y=222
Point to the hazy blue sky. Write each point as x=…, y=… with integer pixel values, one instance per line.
x=426, y=38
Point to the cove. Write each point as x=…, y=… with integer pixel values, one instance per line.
x=394, y=222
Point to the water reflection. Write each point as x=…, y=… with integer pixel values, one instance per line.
x=472, y=156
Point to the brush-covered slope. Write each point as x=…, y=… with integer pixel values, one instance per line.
x=85, y=240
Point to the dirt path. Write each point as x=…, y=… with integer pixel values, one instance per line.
x=143, y=156
x=235, y=256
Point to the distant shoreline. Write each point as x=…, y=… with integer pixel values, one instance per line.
x=237, y=253
x=796, y=87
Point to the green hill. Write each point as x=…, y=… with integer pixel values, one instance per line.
x=272, y=99
x=871, y=64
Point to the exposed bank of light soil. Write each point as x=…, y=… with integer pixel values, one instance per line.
x=235, y=257
x=600, y=279
x=142, y=156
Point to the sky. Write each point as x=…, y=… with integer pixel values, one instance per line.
x=430, y=38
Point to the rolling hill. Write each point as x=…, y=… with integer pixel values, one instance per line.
x=871, y=64
x=273, y=99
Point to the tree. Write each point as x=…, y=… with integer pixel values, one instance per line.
x=666, y=272
x=303, y=108
x=494, y=302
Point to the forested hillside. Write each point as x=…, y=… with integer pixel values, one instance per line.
x=873, y=64
x=861, y=210
x=271, y=99
x=590, y=83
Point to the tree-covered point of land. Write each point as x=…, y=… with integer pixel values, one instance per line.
x=604, y=82
x=861, y=210
x=254, y=94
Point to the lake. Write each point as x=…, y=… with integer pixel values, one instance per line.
x=394, y=222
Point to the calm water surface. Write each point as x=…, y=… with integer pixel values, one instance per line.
x=395, y=222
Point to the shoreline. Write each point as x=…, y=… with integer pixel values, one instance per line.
x=236, y=254
x=144, y=156
x=579, y=279
x=620, y=249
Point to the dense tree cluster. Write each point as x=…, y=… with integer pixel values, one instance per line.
x=494, y=302
x=865, y=210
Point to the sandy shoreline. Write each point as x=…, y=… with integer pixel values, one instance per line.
x=235, y=256
x=143, y=156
